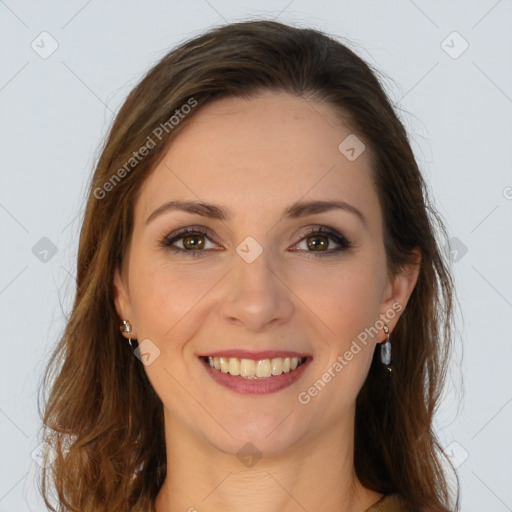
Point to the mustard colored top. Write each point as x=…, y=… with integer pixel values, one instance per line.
x=388, y=503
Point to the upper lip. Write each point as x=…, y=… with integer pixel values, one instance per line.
x=248, y=354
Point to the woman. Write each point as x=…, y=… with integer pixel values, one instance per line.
x=255, y=227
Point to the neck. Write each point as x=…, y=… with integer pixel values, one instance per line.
x=316, y=474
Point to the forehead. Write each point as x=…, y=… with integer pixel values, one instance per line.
x=262, y=153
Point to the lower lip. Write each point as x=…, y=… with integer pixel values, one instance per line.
x=256, y=386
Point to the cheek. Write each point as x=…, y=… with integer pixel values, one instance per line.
x=344, y=297
x=163, y=295
x=150, y=299
x=346, y=302
x=168, y=304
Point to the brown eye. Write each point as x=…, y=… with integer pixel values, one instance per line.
x=323, y=241
x=193, y=242
x=189, y=242
x=317, y=243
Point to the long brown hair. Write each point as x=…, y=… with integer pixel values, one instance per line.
x=102, y=417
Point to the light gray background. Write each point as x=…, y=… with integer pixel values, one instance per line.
x=56, y=110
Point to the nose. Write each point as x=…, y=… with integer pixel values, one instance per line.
x=257, y=296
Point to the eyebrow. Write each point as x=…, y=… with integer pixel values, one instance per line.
x=294, y=211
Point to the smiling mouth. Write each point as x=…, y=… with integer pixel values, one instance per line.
x=255, y=369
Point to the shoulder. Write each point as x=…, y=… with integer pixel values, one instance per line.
x=388, y=503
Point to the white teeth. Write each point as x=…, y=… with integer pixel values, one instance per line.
x=251, y=369
x=247, y=368
x=224, y=364
x=263, y=368
x=277, y=366
x=234, y=366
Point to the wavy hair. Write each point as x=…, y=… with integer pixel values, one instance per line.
x=102, y=418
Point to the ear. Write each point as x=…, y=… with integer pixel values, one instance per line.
x=399, y=290
x=122, y=300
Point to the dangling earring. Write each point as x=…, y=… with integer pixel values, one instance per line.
x=126, y=327
x=385, y=351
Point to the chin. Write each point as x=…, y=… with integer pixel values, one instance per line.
x=267, y=435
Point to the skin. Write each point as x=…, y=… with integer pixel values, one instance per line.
x=256, y=157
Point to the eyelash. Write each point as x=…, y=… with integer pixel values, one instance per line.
x=322, y=231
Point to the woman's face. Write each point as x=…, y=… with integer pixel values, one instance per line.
x=266, y=272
